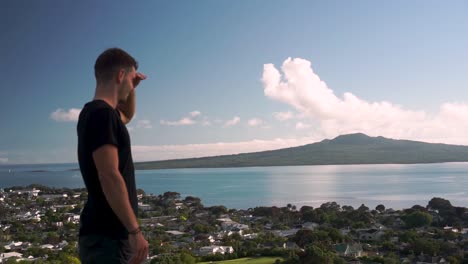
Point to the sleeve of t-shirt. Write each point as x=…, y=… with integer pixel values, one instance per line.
x=102, y=129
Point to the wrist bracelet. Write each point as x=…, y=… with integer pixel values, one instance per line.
x=135, y=231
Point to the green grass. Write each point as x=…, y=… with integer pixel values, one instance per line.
x=262, y=260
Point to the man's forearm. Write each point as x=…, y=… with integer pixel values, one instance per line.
x=116, y=194
x=128, y=108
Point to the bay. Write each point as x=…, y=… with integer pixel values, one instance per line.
x=396, y=186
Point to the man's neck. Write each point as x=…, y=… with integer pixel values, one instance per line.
x=107, y=94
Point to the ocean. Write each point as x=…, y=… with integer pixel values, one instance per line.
x=395, y=186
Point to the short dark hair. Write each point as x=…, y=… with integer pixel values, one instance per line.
x=110, y=61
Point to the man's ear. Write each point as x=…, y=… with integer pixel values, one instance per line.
x=120, y=76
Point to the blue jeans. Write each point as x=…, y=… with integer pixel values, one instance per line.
x=102, y=249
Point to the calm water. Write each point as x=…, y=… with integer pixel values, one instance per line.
x=396, y=186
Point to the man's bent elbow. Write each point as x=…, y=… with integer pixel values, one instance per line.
x=109, y=178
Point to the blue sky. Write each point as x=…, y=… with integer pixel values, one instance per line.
x=219, y=77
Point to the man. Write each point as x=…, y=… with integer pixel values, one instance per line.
x=109, y=231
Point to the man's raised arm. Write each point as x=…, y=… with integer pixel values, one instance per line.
x=127, y=109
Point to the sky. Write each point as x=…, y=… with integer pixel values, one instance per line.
x=229, y=77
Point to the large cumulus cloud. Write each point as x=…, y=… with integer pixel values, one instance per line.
x=301, y=88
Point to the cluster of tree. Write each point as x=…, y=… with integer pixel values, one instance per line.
x=449, y=215
x=329, y=213
x=174, y=258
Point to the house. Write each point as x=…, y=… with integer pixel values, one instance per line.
x=57, y=224
x=426, y=259
x=47, y=246
x=345, y=231
x=250, y=236
x=144, y=207
x=270, y=245
x=62, y=244
x=204, y=237
x=49, y=197
x=210, y=250
x=13, y=245
x=5, y=256
x=233, y=226
x=310, y=225
x=286, y=233
x=292, y=246
x=349, y=250
x=370, y=234
x=430, y=260
x=31, y=193
x=73, y=218
x=228, y=225
x=175, y=233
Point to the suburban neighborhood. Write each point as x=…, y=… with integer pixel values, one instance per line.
x=39, y=224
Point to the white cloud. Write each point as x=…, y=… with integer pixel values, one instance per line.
x=206, y=122
x=61, y=115
x=3, y=160
x=300, y=126
x=195, y=113
x=232, y=122
x=146, y=153
x=144, y=124
x=283, y=116
x=255, y=122
x=184, y=121
x=303, y=89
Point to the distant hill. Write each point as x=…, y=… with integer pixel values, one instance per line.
x=346, y=149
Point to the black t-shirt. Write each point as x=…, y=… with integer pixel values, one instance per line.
x=100, y=124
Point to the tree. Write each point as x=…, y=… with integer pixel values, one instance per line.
x=426, y=246
x=438, y=203
x=316, y=254
x=363, y=208
x=171, y=196
x=306, y=208
x=304, y=237
x=417, y=219
x=186, y=258
x=331, y=207
x=391, y=259
x=52, y=238
x=217, y=210
x=380, y=208
x=140, y=191
x=453, y=260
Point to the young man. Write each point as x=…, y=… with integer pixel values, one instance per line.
x=109, y=231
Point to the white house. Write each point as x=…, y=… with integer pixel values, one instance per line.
x=47, y=246
x=215, y=249
x=8, y=255
x=144, y=207
x=74, y=218
x=175, y=232
x=13, y=245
